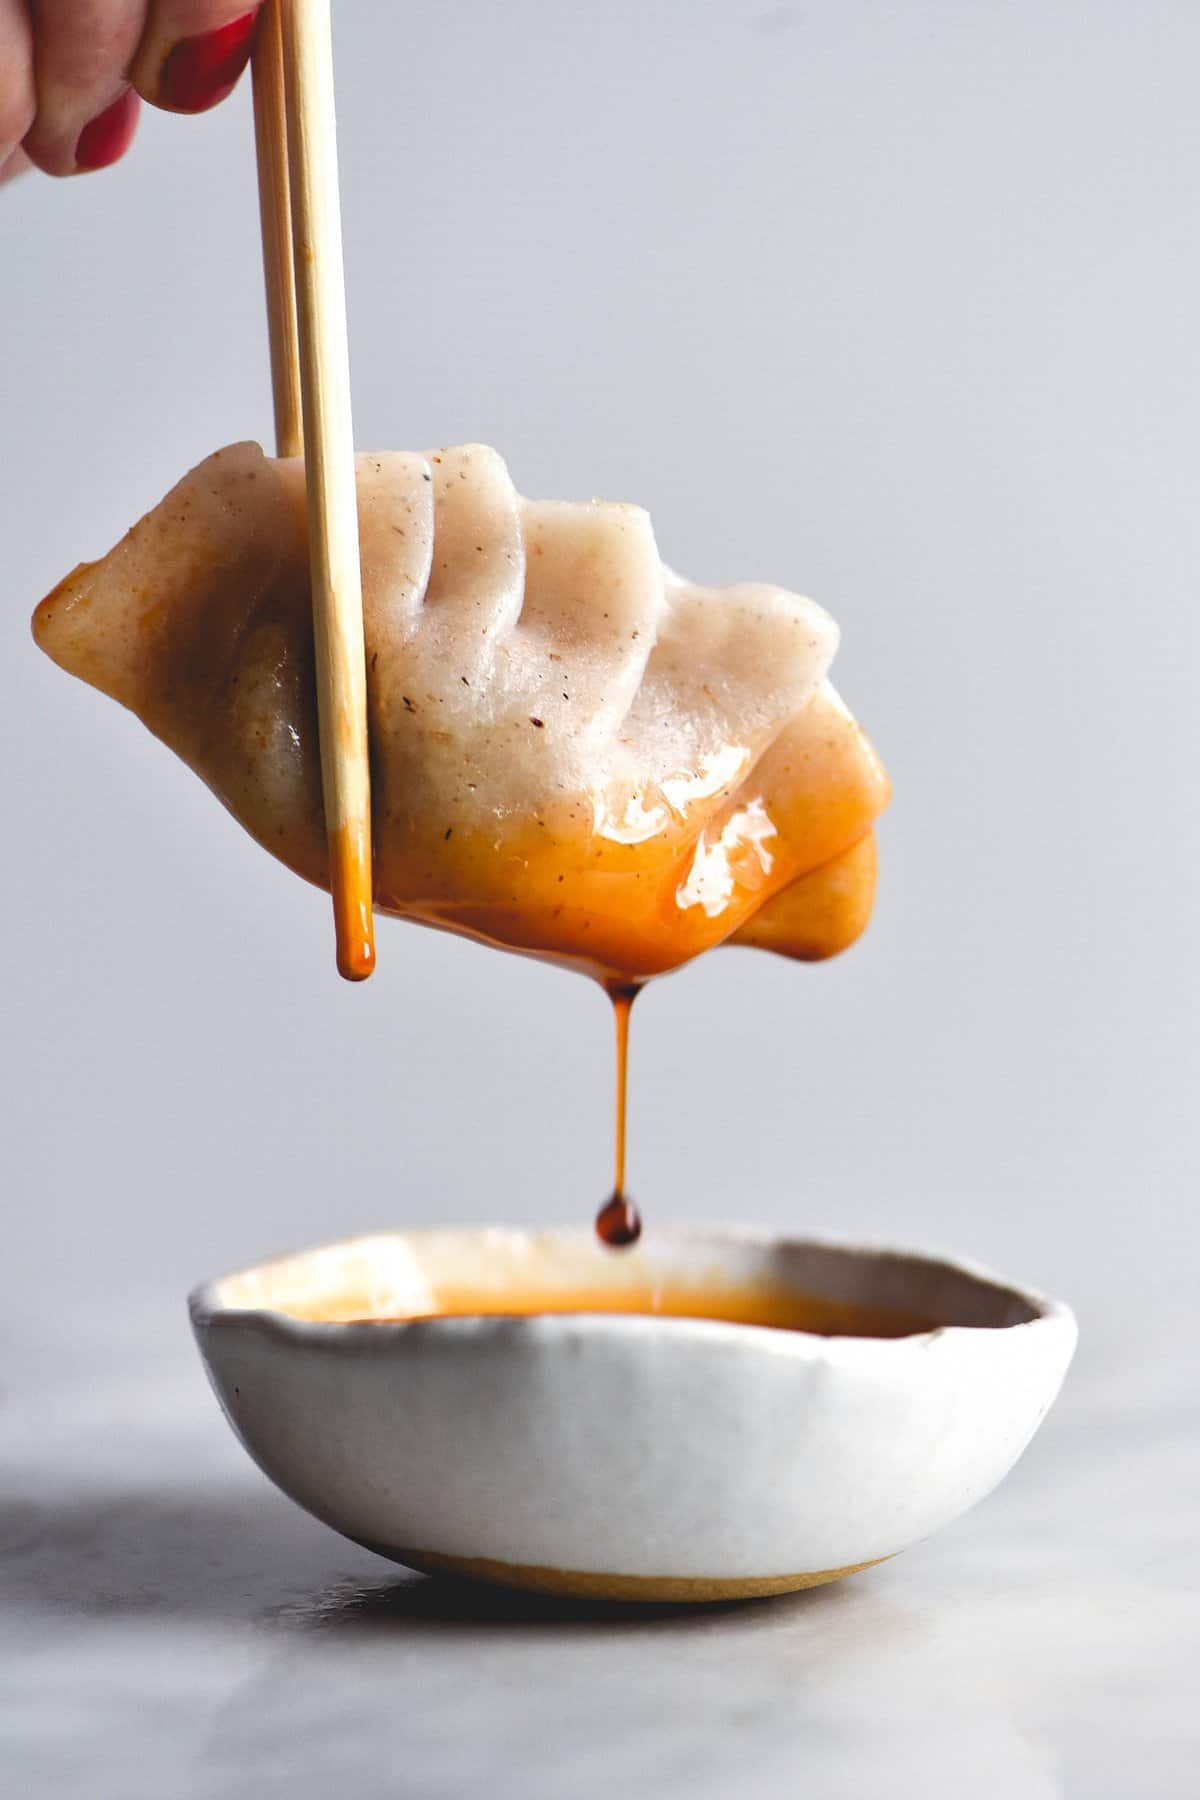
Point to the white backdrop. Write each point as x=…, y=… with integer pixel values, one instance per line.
x=895, y=305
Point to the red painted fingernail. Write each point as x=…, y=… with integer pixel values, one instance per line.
x=107, y=137
x=202, y=70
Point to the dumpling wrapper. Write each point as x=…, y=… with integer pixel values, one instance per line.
x=575, y=753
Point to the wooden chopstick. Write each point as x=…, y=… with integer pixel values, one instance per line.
x=275, y=214
x=296, y=34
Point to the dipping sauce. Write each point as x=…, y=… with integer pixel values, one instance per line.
x=781, y=1308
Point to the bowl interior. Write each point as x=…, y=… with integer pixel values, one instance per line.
x=809, y=1285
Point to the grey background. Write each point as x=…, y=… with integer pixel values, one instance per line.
x=893, y=303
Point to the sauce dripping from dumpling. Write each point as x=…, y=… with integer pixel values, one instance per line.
x=618, y=1223
x=498, y=672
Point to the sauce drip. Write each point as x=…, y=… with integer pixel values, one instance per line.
x=618, y=1223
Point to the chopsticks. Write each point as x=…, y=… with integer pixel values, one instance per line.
x=275, y=211
x=296, y=144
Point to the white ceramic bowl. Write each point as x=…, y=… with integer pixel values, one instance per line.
x=623, y=1455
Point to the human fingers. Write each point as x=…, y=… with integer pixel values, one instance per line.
x=86, y=109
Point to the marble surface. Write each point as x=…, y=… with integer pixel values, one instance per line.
x=171, y=1626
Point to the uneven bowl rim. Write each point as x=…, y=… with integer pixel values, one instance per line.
x=208, y=1310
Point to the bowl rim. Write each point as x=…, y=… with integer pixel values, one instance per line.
x=208, y=1310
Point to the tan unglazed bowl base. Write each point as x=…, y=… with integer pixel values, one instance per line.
x=579, y=1584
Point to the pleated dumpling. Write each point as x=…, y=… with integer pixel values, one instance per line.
x=575, y=753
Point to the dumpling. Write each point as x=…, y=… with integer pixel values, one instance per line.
x=575, y=753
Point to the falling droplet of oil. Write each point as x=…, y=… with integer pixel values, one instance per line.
x=618, y=1222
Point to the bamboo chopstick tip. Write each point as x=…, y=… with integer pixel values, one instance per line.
x=355, y=940
x=353, y=918
x=356, y=960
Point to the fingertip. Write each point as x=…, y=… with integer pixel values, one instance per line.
x=105, y=139
x=102, y=142
x=196, y=73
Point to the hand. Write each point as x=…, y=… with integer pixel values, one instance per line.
x=71, y=72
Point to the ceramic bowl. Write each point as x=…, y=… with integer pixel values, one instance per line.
x=622, y=1455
